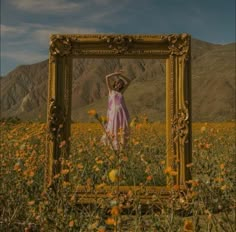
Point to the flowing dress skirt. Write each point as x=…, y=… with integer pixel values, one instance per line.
x=117, y=127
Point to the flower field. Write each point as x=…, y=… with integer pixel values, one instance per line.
x=25, y=207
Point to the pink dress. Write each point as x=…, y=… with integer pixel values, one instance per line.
x=118, y=119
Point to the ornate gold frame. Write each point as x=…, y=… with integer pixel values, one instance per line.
x=175, y=48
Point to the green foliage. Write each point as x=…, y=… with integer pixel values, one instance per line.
x=11, y=120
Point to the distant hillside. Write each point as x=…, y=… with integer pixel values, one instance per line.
x=24, y=90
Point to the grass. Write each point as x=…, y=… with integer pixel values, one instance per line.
x=24, y=206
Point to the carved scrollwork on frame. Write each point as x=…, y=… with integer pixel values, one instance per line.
x=180, y=126
x=178, y=44
x=174, y=48
x=56, y=121
x=60, y=45
x=119, y=44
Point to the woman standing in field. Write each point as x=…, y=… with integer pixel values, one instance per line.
x=117, y=114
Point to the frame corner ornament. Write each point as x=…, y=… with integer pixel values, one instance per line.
x=120, y=44
x=60, y=45
x=179, y=44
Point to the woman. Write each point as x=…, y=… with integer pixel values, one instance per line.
x=117, y=127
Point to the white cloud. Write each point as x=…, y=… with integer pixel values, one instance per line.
x=14, y=30
x=44, y=6
x=109, y=15
x=111, y=2
x=38, y=34
x=34, y=47
x=12, y=42
x=103, y=2
x=23, y=56
x=42, y=35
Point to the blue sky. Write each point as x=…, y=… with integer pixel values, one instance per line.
x=27, y=24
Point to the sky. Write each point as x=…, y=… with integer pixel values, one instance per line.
x=27, y=24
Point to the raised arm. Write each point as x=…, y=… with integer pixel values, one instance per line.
x=108, y=82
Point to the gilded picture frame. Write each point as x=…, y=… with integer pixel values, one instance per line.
x=174, y=48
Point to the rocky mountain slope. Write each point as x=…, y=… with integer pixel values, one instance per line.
x=24, y=90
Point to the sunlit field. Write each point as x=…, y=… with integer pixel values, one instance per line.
x=209, y=203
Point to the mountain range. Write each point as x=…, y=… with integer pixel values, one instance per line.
x=24, y=89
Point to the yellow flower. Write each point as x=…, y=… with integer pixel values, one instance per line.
x=65, y=184
x=115, y=211
x=89, y=182
x=138, y=126
x=192, y=194
x=133, y=122
x=17, y=167
x=101, y=229
x=80, y=166
x=130, y=193
x=218, y=179
x=73, y=198
x=114, y=175
x=135, y=142
x=201, y=145
x=203, y=129
x=92, y=113
x=209, y=217
x=31, y=203
x=208, y=145
x=194, y=183
x=96, y=168
x=29, y=182
x=65, y=171
x=168, y=170
x=56, y=176
x=176, y=187
x=110, y=221
x=125, y=158
x=93, y=226
x=99, y=161
x=222, y=166
x=173, y=173
x=181, y=200
x=188, y=225
x=162, y=162
x=149, y=178
x=71, y=223
x=224, y=187
x=101, y=185
x=31, y=173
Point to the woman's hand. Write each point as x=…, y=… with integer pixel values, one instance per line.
x=119, y=72
x=115, y=73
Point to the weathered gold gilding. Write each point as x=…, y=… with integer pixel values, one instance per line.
x=175, y=48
